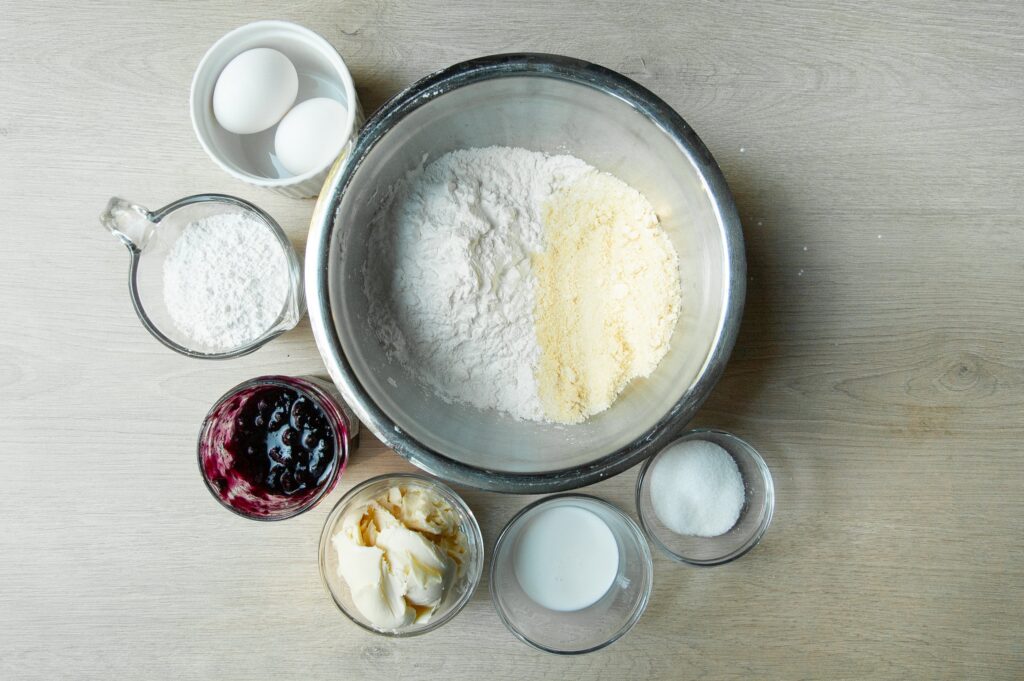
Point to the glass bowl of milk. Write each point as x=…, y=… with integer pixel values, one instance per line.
x=571, y=574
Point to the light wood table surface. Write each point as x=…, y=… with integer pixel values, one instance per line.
x=876, y=152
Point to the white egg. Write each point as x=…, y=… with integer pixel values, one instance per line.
x=254, y=91
x=311, y=135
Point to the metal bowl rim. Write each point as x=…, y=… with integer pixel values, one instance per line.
x=417, y=95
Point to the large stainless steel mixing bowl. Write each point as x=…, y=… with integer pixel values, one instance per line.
x=557, y=105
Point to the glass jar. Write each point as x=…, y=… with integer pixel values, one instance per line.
x=238, y=439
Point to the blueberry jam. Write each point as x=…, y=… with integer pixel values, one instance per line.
x=282, y=442
x=273, y=446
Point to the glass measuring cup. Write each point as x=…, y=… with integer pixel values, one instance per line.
x=150, y=236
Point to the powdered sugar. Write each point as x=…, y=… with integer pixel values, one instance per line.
x=451, y=284
x=226, y=280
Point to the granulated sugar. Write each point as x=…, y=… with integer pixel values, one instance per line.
x=226, y=281
x=697, y=489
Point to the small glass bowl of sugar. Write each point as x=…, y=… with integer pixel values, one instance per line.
x=706, y=498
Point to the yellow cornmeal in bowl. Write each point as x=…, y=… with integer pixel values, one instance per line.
x=607, y=296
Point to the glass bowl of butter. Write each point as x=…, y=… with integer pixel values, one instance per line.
x=401, y=554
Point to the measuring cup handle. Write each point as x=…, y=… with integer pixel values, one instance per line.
x=130, y=223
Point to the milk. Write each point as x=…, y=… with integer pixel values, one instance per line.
x=566, y=558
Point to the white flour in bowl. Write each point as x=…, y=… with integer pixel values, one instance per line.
x=458, y=307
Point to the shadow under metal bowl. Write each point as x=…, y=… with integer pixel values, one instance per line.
x=556, y=105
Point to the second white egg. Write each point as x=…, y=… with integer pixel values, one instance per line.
x=311, y=135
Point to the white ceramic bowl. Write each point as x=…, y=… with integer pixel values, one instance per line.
x=250, y=158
